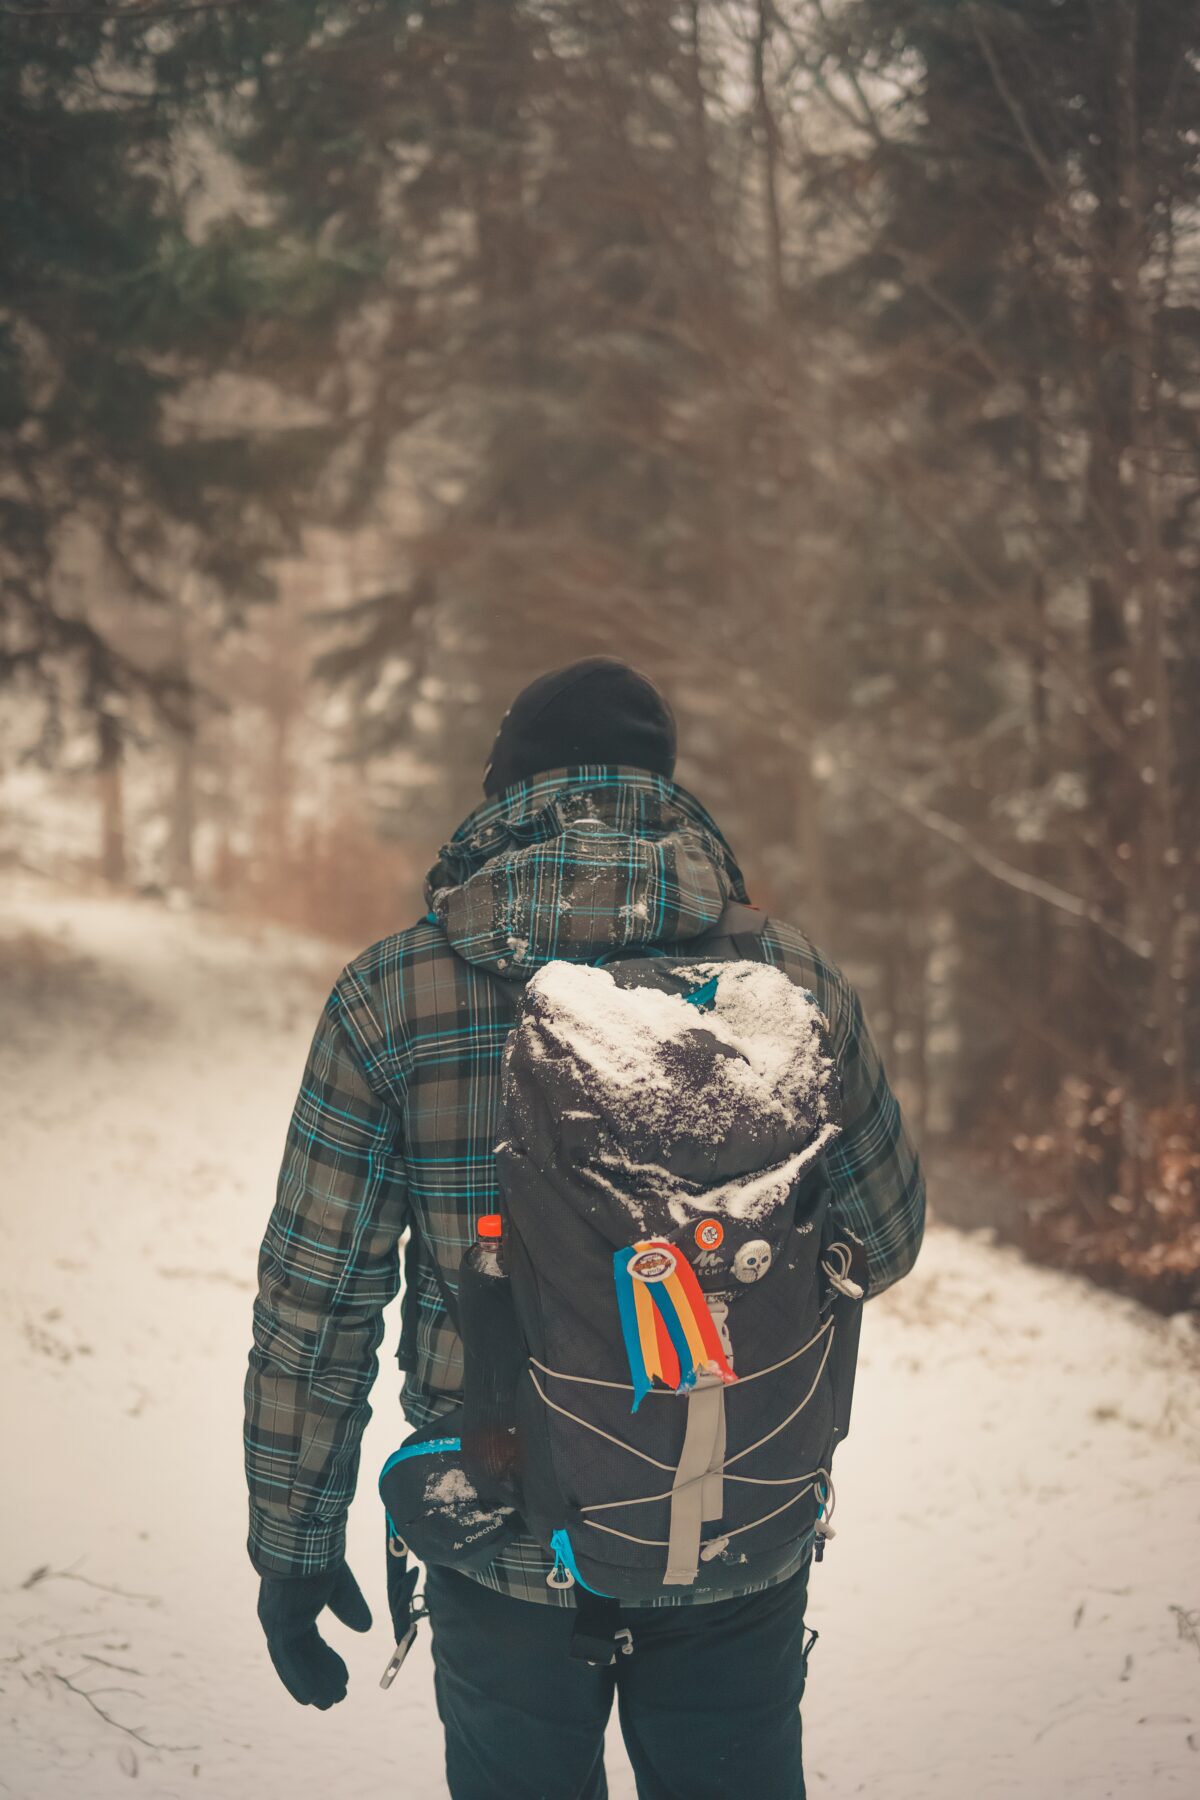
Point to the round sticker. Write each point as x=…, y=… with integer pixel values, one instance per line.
x=710, y=1234
x=653, y=1265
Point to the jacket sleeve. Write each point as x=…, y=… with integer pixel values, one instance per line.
x=878, y=1186
x=329, y=1265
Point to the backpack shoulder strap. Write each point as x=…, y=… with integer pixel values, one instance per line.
x=735, y=934
x=417, y=1256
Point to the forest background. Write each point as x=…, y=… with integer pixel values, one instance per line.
x=836, y=363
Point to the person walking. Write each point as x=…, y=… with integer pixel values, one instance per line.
x=583, y=849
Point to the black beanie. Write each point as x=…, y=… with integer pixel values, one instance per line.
x=598, y=710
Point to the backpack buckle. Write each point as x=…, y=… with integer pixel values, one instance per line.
x=599, y=1651
x=598, y=1634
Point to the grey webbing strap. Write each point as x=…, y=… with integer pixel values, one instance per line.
x=740, y=920
x=712, y=1488
x=734, y=933
x=597, y=1629
x=443, y=1287
x=693, y=1487
x=713, y=1496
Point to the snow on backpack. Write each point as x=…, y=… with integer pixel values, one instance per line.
x=667, y=1362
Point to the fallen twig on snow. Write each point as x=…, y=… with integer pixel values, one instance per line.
x=45, y=1573
x=121, y=1668
x=132, y=1731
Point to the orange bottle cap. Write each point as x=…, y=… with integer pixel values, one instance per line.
x=490, y=1225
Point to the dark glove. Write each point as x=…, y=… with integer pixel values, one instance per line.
x=288, y=1608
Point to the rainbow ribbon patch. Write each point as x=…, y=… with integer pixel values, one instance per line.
x=668, y=1330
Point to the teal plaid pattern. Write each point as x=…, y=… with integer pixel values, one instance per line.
x=399, y=1107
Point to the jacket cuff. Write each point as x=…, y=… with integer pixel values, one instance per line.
x=291, y=1547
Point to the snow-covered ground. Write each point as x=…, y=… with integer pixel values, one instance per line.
x=1011, y=1606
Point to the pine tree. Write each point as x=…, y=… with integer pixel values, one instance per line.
x=119, y=309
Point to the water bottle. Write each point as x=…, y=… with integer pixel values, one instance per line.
x=493, y=1360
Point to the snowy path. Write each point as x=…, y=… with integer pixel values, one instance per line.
x=1005, y=1611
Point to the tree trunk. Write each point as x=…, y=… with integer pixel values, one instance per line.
x=1109, y=1006
x=109, y=764
x=182, y=822
x=797, y=638
x=1040, y=1065
x=1164, y=1073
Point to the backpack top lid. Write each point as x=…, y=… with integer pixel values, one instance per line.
x=705, y=1071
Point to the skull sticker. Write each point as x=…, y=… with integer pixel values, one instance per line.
x=752, y=1260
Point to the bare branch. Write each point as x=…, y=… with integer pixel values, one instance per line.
x=130, y=1730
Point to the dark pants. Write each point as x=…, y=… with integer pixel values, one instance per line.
x=709, y=1701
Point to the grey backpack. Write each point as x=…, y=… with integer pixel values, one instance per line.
x=686, y=1302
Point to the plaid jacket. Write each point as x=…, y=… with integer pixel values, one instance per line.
x=392, y=1133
